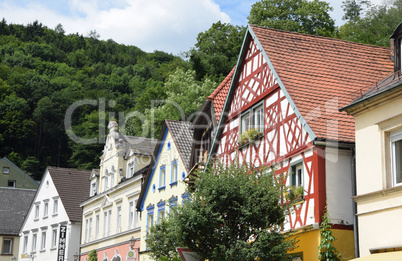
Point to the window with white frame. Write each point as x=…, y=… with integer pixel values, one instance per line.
x=162, y=177
x=54, y=237
x=25, y=245
x=174, y=173
x=105, y=228
x=97, y=222
x=118, y=219
x=131, y=168
x=34, y=239
x=396, y=157
x=107, y=218
x=161, y=211
x=36, y=217
x=86, y=230
x=43, y=241
x=136, y=218
x=105, y=182
x=258, y=118
x=112, y=180
x=46, y=208
x=245, y=122
x=7, y=246
x=131, y=214
x=6, y=170
x=296, y=175
x=253, y=118
x=94, y=188
x=55, y=206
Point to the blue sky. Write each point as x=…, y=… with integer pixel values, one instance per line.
x=167, y=25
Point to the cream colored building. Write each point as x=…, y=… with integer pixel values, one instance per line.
x=164, y=187
x=378, y=115
x=110, y=218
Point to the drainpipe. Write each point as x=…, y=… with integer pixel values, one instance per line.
x=355, y=219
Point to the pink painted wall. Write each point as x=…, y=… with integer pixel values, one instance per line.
x=110, y=252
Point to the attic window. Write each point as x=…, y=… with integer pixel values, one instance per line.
x=400, y=53
x=6, y=170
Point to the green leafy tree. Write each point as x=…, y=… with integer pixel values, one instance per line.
x=311, y=17
x=184, y=96
x=327, y=252
x=375, y=27
x=353, y=9
x=93, y=256
x=233, y=213
x=216, y=50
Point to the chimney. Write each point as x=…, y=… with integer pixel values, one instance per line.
x=392, y=49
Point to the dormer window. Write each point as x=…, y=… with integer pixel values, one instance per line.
x=396, y=39
x=93, y=189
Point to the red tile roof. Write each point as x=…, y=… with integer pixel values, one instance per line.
x=323, y=74
x=218, y=96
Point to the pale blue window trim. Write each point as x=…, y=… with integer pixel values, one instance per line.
x=172, y=203
x=173, y=174
x=162, y=178
x=161, y=210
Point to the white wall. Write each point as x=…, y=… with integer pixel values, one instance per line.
x=46, y=191
x=338, y=165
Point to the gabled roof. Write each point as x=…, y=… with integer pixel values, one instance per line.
x=182, y=133
x=322, y=75
x=140, y=145
x=73, y=187
x=14, y=208
x=218, y=96
x=20, y=171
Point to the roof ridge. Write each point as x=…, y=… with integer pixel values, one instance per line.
x=319, y=36
x=221, y=85
x=53, y=167
x=137, y=137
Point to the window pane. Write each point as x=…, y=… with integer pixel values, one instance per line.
x=398, y=161
x=258, y=119
x=7, y=246
x=245, y=122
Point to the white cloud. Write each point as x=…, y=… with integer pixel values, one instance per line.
x=168, y=25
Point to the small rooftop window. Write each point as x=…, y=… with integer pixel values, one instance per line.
x=6, y=170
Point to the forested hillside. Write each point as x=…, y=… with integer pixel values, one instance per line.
x=43, y=72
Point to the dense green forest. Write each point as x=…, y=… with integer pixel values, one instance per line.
x=44, y=71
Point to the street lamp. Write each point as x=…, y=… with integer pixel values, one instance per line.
x=132, y=242
x=76, y=256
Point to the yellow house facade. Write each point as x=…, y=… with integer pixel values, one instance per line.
x=378, y=116
x=164, y=187
x=110, y=218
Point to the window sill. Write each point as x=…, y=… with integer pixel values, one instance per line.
x=162, y=188
x=45, y=217
x=295, y=202
x=55, y=214
x=173, y=184
x=53, y=248
x=36, y=219
x=42, y=250
x=247, y=143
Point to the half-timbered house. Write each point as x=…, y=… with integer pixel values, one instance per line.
x=281, y=111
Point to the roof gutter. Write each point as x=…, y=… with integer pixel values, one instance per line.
x=333, y=144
